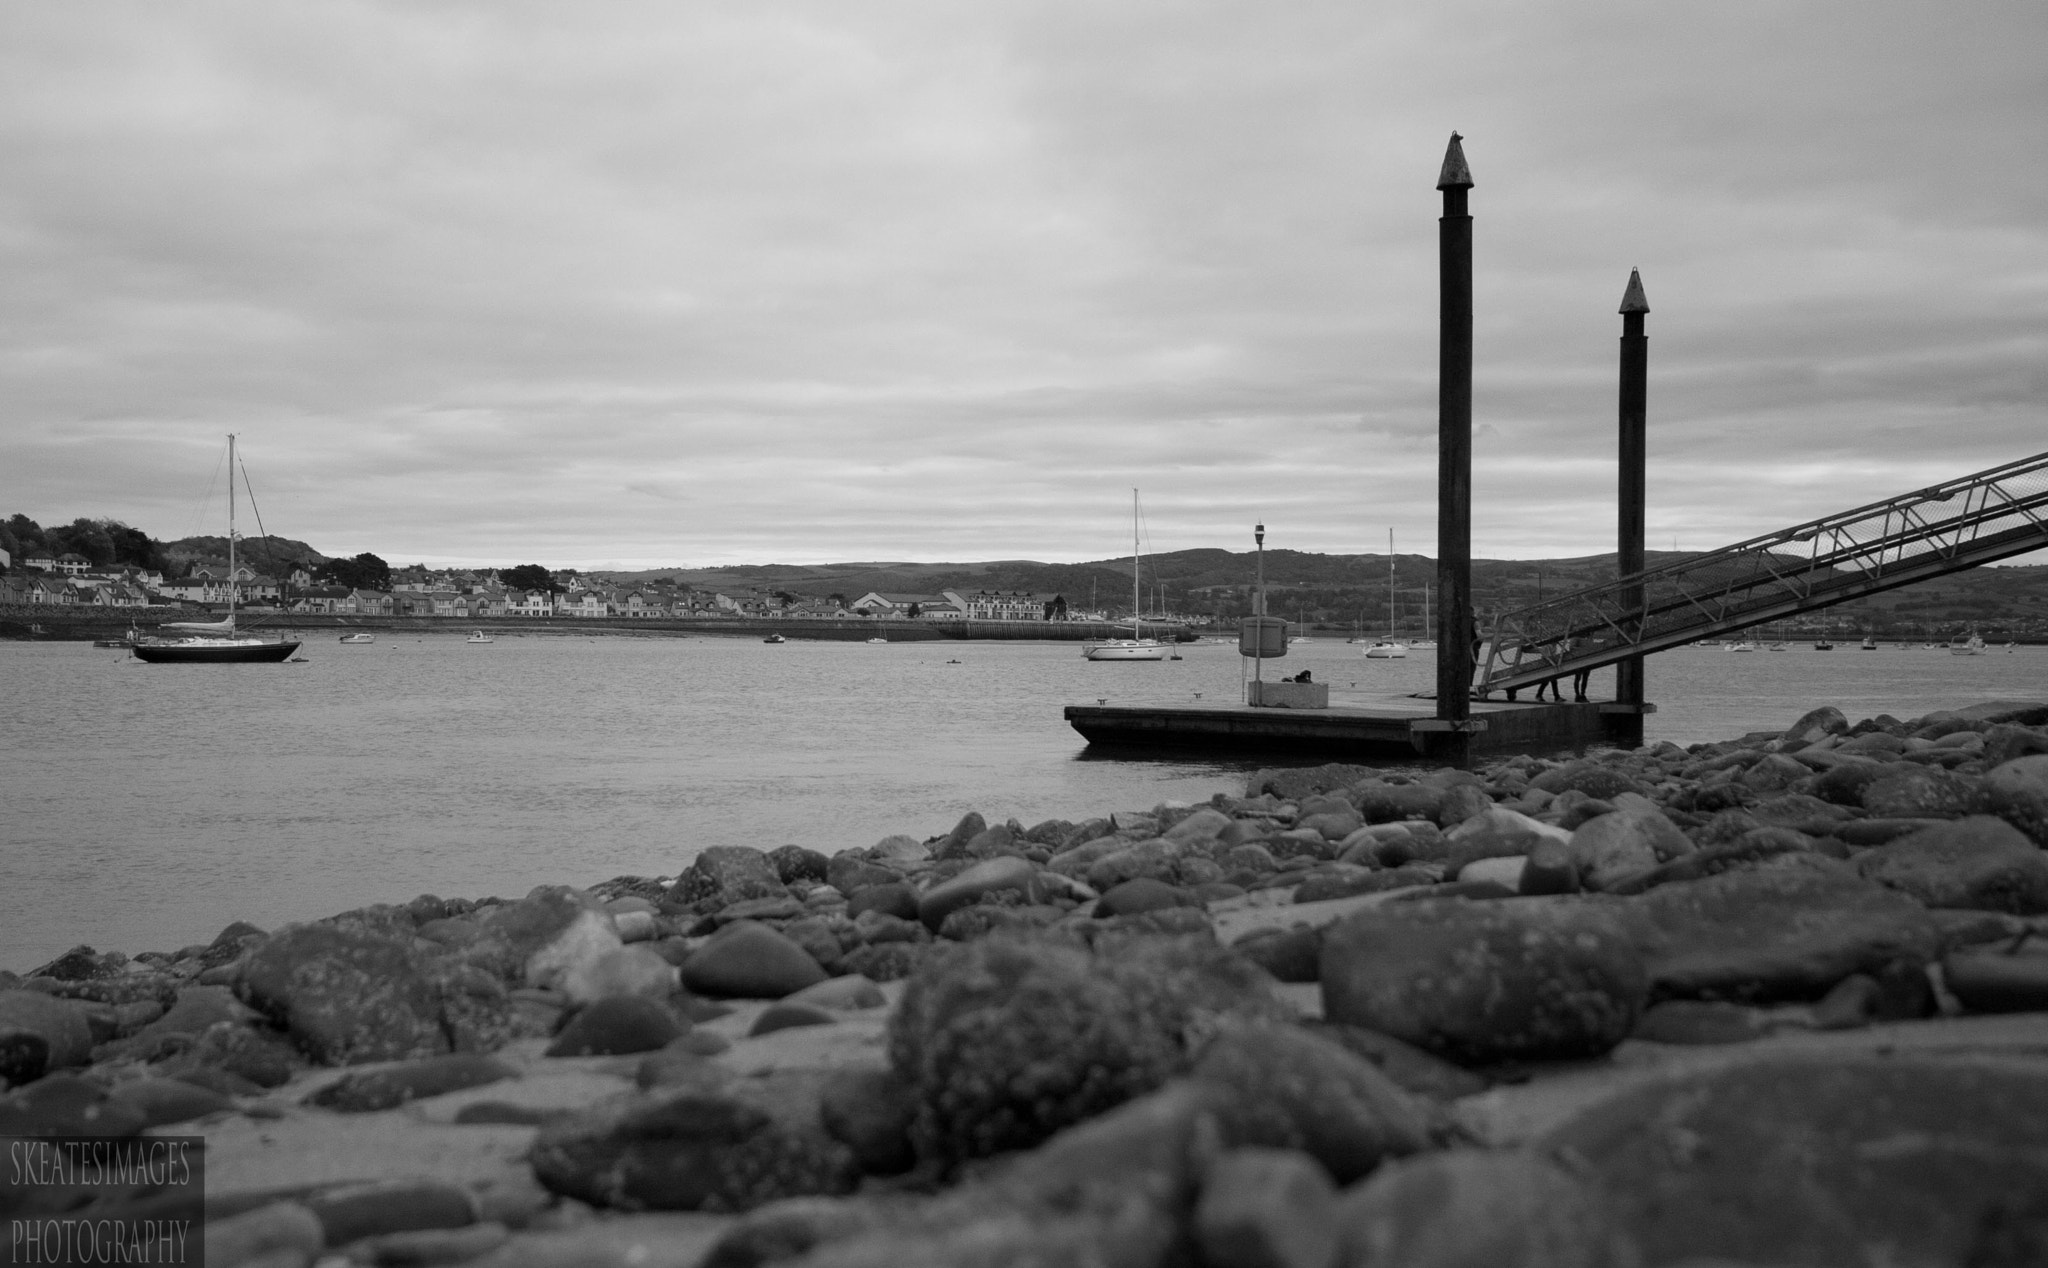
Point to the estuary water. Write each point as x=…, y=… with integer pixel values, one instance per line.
x=144, y=807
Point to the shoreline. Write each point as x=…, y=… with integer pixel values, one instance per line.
x=1337, y=987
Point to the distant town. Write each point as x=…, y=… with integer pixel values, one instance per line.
x=70, y=579
x=100, y=567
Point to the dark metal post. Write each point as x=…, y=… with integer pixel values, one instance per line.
x=1635, y=375
x=1455, y=626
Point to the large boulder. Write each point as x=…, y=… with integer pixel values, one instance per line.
x=1633, y=839
x=1464, y=1208
x=1910, y=791
x=1590, y=778
x=1289, y=1087
x=1835, y=1159
x=346, y=996
x=1980, y=862
x=1814, y=726
x=1528, y=979
x=1789, y=931
x=690, y=1151
x=990, y=876
x=1497, y=833
x=2017, y=791
x=545, y=937
x=723, y=875
x=1381, y=802
x=747, y=959
x=39, y=1033
x=1010, y=1038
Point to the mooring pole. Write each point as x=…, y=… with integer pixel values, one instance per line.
x=1455, y=626
x=1634, y=411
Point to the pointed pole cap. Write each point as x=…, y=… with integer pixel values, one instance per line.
x=1455, y=174
x=1633, y=300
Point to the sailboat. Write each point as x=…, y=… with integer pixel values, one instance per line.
x=217, y=642
x=1387, y=648
x=1137, y=647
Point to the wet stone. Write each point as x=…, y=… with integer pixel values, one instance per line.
x=870, y=1111
x=686, y=1152
x=412, y=1080
x=1815, y=1160
x=617, y=1026
x=1980, y=862
x=750, y=960
x=1477, y=982
x=1291, y=1087
x=1465, y=1207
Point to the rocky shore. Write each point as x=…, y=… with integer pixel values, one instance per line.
x=1775, y=1001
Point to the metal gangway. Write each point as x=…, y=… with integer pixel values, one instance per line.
x=1976, y=519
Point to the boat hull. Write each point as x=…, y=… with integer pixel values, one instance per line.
x=1136, y=649
x=215, y=653
x=1386, y=651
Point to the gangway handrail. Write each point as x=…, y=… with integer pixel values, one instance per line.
x=1989, y=515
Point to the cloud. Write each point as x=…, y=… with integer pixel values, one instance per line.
x=661, y=284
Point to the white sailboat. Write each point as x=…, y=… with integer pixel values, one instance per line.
x=1137, y=647
x=216, y=642
x=1388, y=648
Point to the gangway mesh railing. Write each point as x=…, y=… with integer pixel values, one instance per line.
x=1976, y=519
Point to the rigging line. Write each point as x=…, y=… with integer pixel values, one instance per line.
x=198, y=521
x=261, y=531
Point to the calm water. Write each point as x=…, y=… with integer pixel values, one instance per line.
x=146, y=806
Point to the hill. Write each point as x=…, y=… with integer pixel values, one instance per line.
x=269, y=554
x=1344, y=591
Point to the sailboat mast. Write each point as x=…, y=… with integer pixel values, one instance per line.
x=1390, y=585
x=231, y=532
x=1137, y=627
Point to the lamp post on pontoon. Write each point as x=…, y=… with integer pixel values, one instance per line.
x=1259, y=602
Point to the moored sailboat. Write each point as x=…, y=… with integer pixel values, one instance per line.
x=1136, y=647
x=217, y=642
x=1388, y=648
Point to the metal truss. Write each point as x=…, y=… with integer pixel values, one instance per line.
x=1976, y=519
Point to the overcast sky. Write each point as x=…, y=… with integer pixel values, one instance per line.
x=646, y=284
